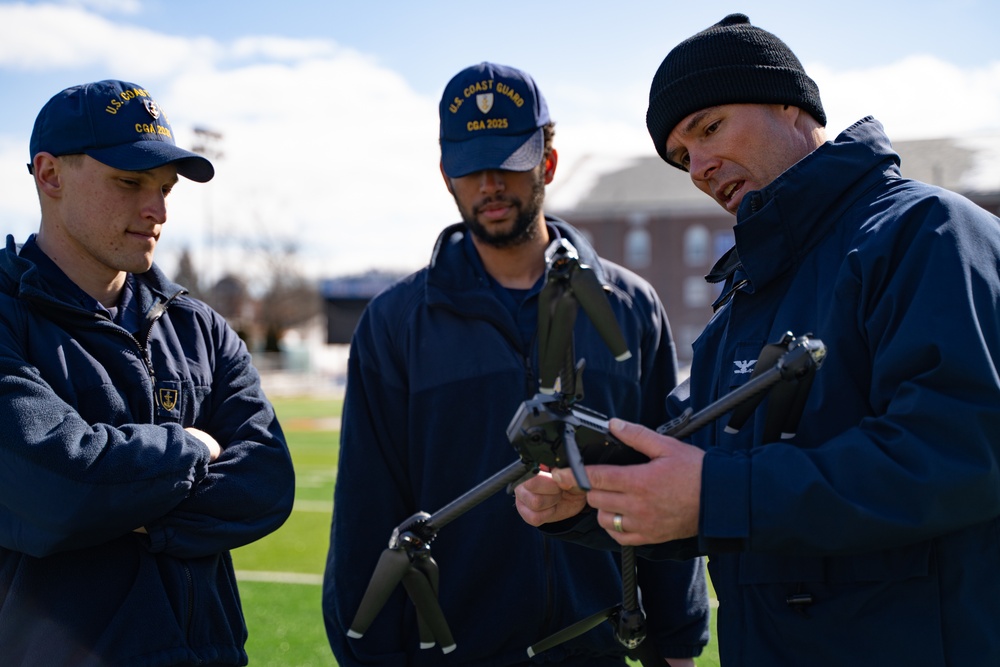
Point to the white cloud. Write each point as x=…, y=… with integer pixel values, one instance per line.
x=916, y=97
x=324, y=145
x=41, y=38
x=281, y=48
x=333, y=152
x=108, y=6
x=320, y=144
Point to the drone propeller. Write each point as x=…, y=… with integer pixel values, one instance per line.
x=419, y=575
x=427, y=636
x=569, y=285
x=790, y=424
x=421, y=585
x=769, y=356
x=786, y=400
x=556, y=314
x=408, y=560
x=594, y=301
x=392, y=566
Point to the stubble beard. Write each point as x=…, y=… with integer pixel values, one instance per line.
x=524, y=228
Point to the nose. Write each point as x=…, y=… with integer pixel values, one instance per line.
x=701, y=167
x=155, y=208
x=490, y=181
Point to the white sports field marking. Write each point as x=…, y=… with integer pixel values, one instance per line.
x=279, y=577
x=313, y=506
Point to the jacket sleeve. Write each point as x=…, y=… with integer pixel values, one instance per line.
x=925, y=461
x=373, y=494
x=69, y=484
x=248, y=491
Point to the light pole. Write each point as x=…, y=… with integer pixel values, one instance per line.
x=208, y=145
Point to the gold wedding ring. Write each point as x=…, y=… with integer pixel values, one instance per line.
x=617, y=523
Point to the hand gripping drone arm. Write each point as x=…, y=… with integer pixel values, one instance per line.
x=791, y=362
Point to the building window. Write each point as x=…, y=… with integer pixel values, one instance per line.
x=638, y=249
x=722, y=242
x=696, y=246
x=697, y=292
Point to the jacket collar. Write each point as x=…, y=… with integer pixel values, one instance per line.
x=32, y=281
x=452, y=273
x=779, y=224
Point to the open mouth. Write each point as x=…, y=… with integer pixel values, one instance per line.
x=728, y=193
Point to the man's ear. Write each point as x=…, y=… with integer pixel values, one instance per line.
x=47, y=170
x=447, y=181
x=551, y=160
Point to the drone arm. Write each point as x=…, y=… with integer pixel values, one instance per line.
x=571, y=631
x=515, y=472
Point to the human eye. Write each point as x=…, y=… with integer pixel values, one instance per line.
x=679, y=157
x=713, y=127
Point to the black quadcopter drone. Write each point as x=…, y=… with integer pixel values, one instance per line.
x=553, y=430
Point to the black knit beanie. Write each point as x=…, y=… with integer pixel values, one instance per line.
x=732, y=62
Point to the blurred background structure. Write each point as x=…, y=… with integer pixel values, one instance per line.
x=322, y=120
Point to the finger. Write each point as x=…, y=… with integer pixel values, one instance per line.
x=566, y=480
x=640, y=438
x=606, y=520
x=531, y=510
x=541, y=483
x=533, y=502
x=625, y=536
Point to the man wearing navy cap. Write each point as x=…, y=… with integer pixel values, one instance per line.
x=138, y=446
x=439, y=364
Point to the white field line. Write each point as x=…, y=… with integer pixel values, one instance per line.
x=290, y=577
x=313, y=506
x=279, y=577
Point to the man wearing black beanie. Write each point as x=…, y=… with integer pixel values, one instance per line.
x=871, y=534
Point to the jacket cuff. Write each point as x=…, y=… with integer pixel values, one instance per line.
x=724, y=523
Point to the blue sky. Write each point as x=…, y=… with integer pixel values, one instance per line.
x=329, y=108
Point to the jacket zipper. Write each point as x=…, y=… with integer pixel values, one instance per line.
x=189, y=616
x=154, y=314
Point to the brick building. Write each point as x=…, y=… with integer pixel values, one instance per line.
x=649, y=217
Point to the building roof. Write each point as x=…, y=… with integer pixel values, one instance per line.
x=643, y=185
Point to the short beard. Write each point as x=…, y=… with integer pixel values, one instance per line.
x=524, y=228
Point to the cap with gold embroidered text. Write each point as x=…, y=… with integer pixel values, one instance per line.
x=491, y=118
x=116, y=123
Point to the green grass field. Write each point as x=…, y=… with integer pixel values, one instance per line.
x=280, y=575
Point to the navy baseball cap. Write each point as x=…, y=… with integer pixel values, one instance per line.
x=491, y=118
x=117, y=123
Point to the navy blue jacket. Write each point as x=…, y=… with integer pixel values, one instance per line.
x=437, y=369
x=880, y=518
x=94, y=447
